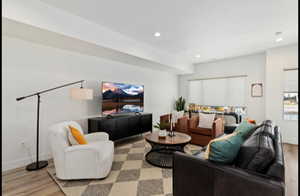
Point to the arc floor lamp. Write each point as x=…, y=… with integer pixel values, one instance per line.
x=76, y=93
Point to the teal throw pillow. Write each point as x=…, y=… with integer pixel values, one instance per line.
x=225, y=150
x=245, y=129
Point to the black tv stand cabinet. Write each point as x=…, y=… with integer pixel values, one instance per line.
x=121, y=126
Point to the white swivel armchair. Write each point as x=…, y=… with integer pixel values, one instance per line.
x=89, y=161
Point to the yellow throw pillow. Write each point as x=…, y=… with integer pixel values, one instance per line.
x=76, y=137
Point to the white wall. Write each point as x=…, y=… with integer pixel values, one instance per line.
x=28, y=67
x=252, y=65
x=278, y=59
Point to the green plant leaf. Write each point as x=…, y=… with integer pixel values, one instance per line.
x=180, y=103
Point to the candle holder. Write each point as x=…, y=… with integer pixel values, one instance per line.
x=171, y=132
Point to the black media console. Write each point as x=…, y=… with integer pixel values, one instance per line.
x=121, y=126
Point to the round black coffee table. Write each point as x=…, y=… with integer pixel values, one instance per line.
x=161, y=153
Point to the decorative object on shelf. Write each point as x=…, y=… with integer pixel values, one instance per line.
x=220, y=108
x=179, y=104
x=196, y=108
x=257, y=90
x=82, y=94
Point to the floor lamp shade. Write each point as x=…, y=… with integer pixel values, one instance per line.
x=81, y=93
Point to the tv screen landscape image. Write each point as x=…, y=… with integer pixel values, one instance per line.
x=122, y=98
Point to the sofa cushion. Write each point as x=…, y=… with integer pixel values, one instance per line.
x=224, y=149
x=257, y=152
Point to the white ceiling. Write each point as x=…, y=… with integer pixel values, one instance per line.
x=215, y=29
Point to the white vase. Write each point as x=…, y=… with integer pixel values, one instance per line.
x=162, y=133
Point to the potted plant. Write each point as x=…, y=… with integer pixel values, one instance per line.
x=179, y=104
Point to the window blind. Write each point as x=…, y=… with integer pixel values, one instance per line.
x=218, y=91
x=195, y=92
x=214, y=92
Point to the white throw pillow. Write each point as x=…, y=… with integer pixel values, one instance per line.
x=206, y=120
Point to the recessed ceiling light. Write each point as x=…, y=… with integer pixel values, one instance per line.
x=279, y=39
x=197, y=55
x=157, y=34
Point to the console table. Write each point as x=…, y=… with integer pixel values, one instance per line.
x=121, y=126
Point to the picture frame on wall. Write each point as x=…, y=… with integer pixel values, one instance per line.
x=257, y=90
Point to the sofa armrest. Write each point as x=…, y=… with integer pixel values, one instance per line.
x=193, y=176
x=81, y=160
x=82, y=148
x=218, y=127
x=166, y=119
x=81, y=153
x=193, y=122
x=181, y=124
x=97, y=136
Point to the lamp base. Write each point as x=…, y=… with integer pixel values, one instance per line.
x=35, y=166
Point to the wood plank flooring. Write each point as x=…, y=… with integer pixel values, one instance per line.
x=291, y=169
x=39, y=183
x=34, y=183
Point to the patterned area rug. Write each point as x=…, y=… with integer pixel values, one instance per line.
x=130, y=174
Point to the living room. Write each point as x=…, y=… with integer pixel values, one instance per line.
x=222, y=58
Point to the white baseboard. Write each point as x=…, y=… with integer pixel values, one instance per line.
x=22, y=162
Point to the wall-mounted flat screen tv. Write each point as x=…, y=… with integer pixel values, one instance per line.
x=122, y=98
